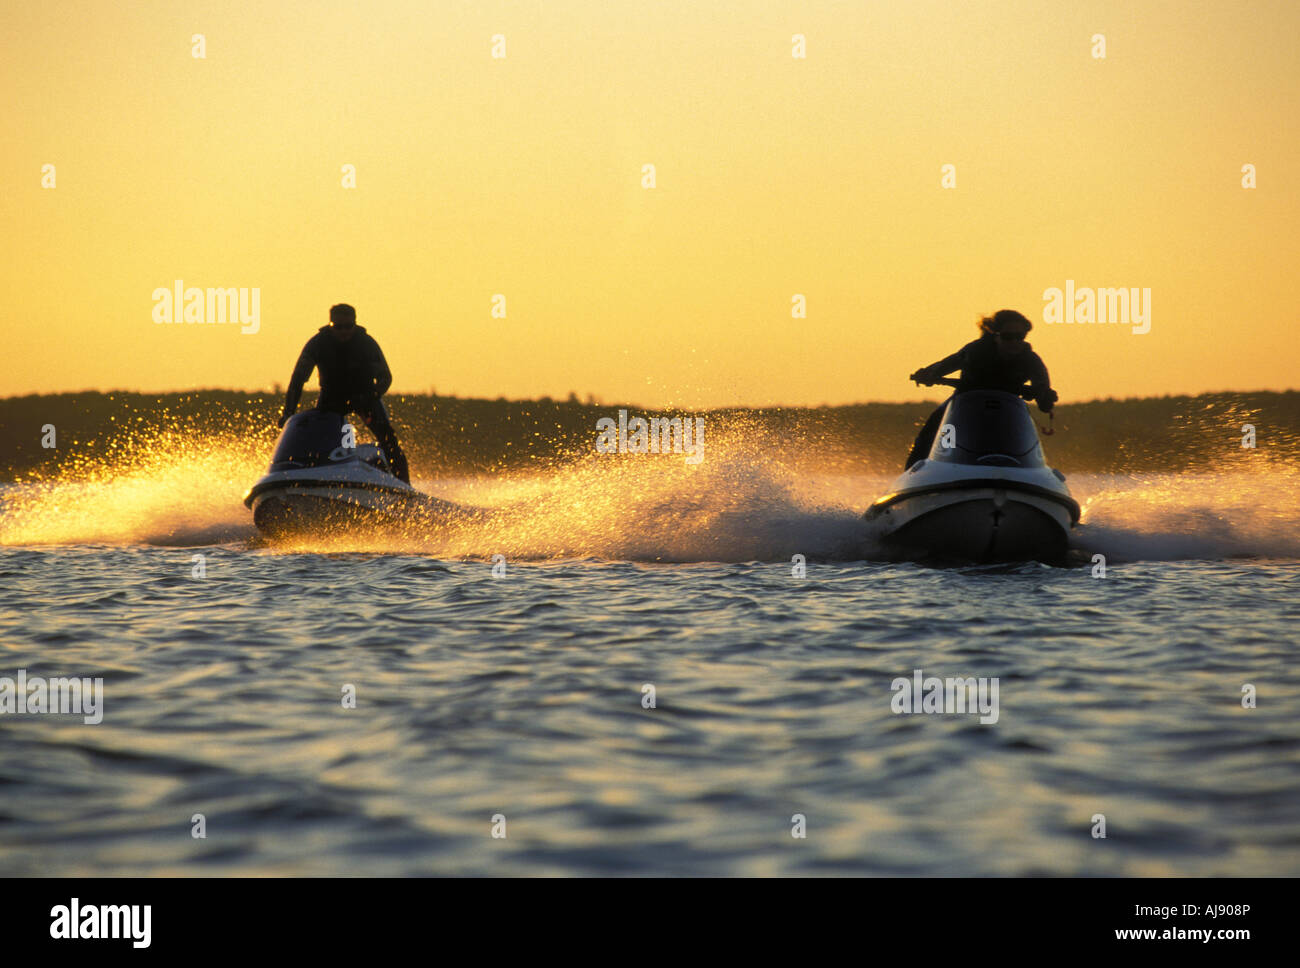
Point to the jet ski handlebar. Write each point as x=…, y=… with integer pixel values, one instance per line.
x=1026, y=391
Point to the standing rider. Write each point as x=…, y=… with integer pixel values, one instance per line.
x=353, y=377
x=999, y=360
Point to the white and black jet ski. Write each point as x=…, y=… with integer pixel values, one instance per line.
x=984, y=493
x=321, y=480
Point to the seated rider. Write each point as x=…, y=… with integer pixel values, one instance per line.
x=999, y=360
x=353, y=377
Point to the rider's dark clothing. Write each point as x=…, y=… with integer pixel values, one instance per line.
x=353, y=377
x=353, y=372
x=984, y=368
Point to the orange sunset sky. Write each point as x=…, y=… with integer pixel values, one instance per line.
x=775, y=175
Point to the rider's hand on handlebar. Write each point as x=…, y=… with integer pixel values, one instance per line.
x=921, y=376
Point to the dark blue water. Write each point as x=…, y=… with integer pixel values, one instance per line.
x=520, y=696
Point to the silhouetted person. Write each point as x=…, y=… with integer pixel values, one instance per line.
x=999, y=360
x=353, y=377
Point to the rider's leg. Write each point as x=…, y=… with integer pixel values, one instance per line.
x=376, y=418
x=925, y=438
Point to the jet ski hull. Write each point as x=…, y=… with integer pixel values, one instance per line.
x=321, y=482
x=979, y=524
x=303, y=509
x=985, y=493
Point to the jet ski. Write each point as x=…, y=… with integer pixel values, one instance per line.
x=321, y=480
x=984, y=493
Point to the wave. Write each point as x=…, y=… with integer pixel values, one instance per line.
x=1169, y=517
x=750, y=500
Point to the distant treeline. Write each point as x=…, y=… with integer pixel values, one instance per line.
x=453, y=436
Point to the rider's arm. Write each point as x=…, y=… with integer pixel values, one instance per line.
x=1040, y=384
x=947, y=364
x=382, y=375
x=944, y=366
x=301, y=373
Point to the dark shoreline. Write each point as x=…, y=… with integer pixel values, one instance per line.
x=446, y=436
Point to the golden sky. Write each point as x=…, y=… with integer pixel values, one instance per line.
x=775, y=175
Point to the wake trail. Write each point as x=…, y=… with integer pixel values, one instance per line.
x=1174, y=517
x=750, y=500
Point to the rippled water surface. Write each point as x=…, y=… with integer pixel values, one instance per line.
x=522, y=695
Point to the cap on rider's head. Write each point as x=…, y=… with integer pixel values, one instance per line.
x=343, y=315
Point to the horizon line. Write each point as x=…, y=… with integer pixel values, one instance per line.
x=591, y=401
